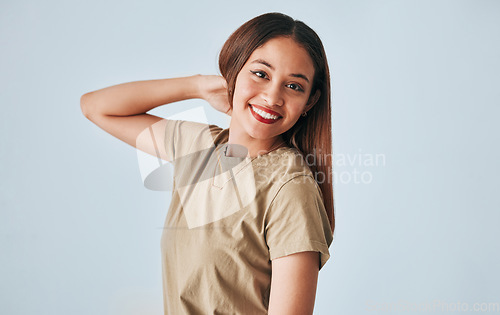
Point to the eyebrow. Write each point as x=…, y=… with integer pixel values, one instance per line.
x=267, y=64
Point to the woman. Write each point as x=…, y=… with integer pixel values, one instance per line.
x=251, y=217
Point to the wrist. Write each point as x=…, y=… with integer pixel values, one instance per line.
x=198, y=90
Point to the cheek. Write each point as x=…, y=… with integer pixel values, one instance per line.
x=244, y=89
x=297, y=107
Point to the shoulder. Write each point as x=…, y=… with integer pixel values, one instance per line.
x=299, y=192
x=292, y=183
x=183, y=137
x=285, y=166
x=188, y=128
x=299, y=185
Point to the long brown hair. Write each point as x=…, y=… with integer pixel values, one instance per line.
x=312, y=134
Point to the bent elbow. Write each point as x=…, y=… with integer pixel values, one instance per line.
x=85, y=105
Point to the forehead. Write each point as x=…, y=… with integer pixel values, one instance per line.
x=286, y=55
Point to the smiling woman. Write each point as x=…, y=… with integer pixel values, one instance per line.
x=250, y=223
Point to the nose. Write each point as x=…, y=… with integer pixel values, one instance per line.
x=273, y=94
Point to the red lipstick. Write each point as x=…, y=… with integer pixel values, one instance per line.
x=266, y=110
x=262, y=119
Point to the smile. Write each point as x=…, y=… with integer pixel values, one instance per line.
x=264, y=116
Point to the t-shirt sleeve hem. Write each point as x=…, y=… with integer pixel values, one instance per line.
x=298, y=247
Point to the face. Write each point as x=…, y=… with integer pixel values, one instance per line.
x=272, y=90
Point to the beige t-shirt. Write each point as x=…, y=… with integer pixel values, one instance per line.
x=229, y=217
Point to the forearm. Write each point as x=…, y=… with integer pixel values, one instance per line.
x=139, y=97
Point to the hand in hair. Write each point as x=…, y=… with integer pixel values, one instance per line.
x=213, y=89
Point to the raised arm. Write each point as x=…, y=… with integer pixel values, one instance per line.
x=121, y=110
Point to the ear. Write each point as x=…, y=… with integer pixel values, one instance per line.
x=312, y=100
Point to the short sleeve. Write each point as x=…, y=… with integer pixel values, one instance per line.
x=186, y=137
x=296, y=220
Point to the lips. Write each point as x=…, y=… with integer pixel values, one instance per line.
x=266, y=110
x=264, y=115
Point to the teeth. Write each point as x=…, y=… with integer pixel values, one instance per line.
x=263, y=114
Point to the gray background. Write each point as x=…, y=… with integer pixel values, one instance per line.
x=414, y=81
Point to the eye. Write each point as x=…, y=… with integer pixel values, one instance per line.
x=295, y=87
x=260, y=74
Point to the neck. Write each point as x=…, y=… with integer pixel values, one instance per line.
x=255, y=147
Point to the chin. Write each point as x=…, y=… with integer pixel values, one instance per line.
x=260, y=134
